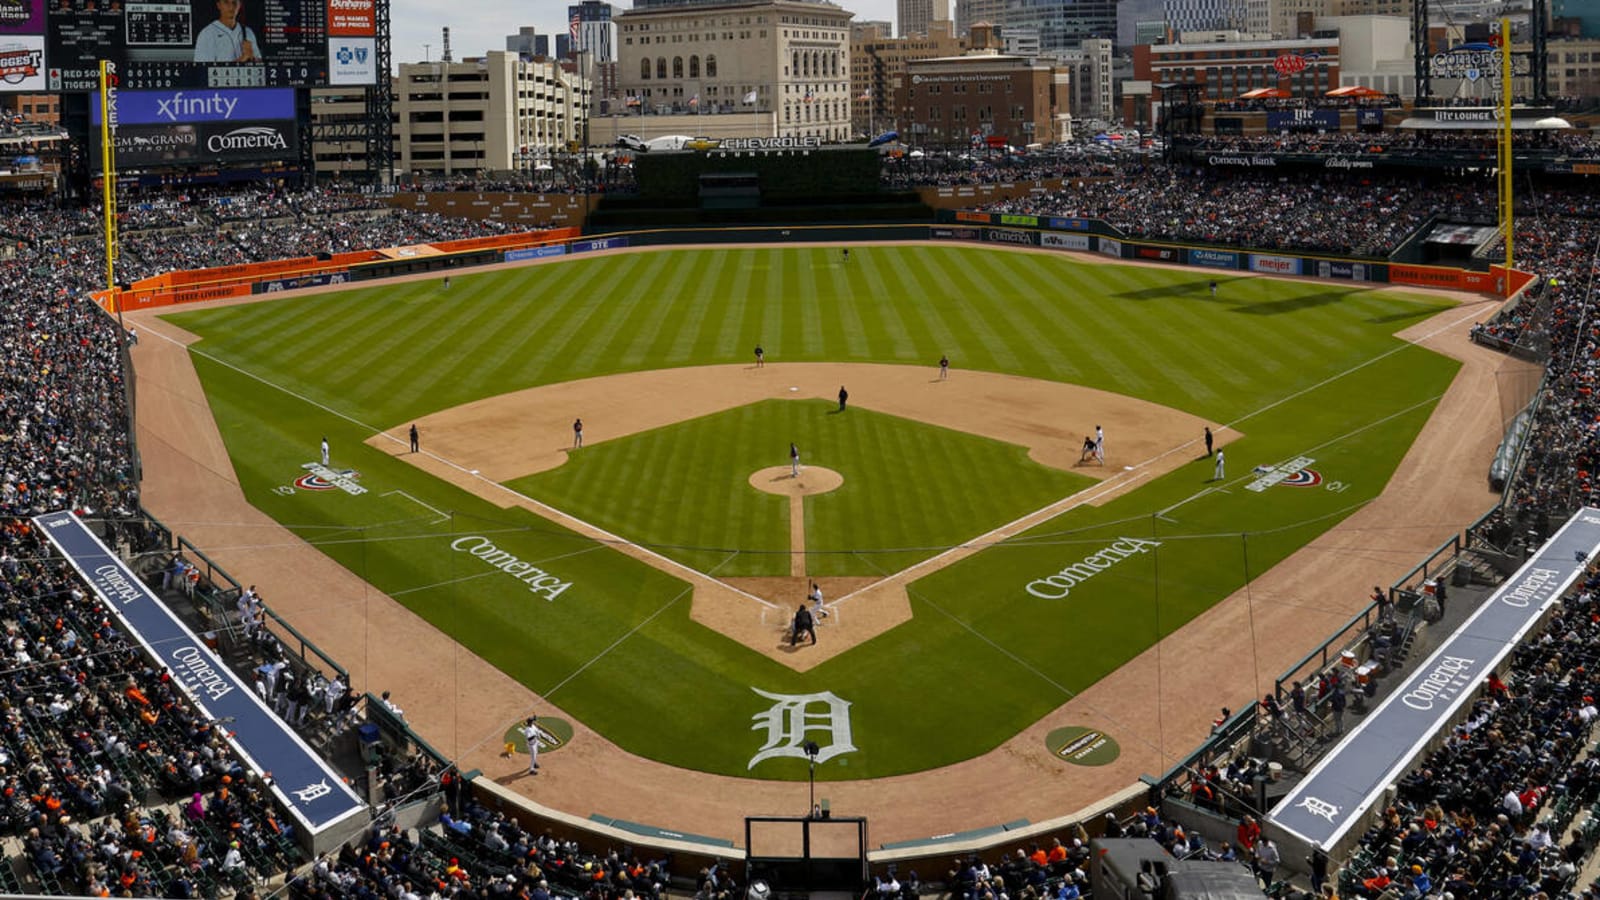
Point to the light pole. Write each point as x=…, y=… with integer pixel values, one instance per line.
x=812, y=750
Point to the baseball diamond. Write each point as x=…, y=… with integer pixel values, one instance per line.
x=645, y=504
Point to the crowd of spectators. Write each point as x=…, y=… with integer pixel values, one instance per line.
x=477, y=852
x=115, y=784
x=1487, y=813
x=1367, y=215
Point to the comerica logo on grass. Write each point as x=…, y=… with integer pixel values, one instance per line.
x=1059, y=585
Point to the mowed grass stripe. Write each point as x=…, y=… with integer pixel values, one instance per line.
x=847, y=298
x=819, y=312
x=583, y=322
x=1021, y=311
x=730, y=339
x=618, y=310
x=691, y=285
x=684, y=330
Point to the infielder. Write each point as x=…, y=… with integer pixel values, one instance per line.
x=325, y=450
x=794, y=460
x=1100, y=445
x=1221, y=471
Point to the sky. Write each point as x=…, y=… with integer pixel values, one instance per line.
x=476, y=28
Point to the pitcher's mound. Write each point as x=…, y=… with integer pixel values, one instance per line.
x=812, y=480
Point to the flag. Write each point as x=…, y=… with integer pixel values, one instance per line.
x=632, y=100
x=810, y=97
x=750, y=97
x=695, y=100
x=572, y=30
x=865, y=95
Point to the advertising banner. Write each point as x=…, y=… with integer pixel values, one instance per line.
x=1069, y=224
x=22, y=17
x=1425, y=276
x=22, y=63
x=312, y=791
x=192, y=106
x=964, y=216
x=536, y=252
x=1164, y=254
x=1029, y=221
x=1277, y=265
x=352, y=60
x=955, y=234
x=352, y=18
x=1009, y=236
x=512, y=241
x=1335, y=795
x=598, y=244
x=1303, y=119
x=1327, y=268
x=1065, y=241
x=1216, y=259
x=277, y=285
x=149, y=146
x=1369, y=117
x=1110, y=247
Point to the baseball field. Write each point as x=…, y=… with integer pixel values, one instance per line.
x=978, y=569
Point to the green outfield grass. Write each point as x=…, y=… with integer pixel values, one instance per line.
x=1303, y=369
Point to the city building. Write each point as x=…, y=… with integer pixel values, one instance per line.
x=1204, y=15
x=1292, y=19
x=1374, y=52
x=747, y=68
x=1019, y=41
x=1575, y=67
x=1131, y=13
x=498, y=113
x=1372, y=8
x=877, y=63
x=1062, y=24
x=1092, y=79
x=978, y=12
x=916, y=15
x=1226, y=65
x=1585, y=11
x=527, y=43
x=983, y=98
x=590, y=25
x=346, y=155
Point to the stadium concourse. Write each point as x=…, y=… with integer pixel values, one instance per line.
x=114, y=785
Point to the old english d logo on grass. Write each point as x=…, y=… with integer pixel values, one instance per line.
x=794, y=718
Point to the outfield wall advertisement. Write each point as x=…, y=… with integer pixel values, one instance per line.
x=1215, y=259
x=1275, y=265
x=1064, y=241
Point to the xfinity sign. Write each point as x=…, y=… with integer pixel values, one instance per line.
x=189, y=107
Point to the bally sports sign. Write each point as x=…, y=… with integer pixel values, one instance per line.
x=1060, y=584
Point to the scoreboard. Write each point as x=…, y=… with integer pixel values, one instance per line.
x=165, y=44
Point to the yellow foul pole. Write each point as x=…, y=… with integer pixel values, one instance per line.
x=1507, y=202
x=108, y=176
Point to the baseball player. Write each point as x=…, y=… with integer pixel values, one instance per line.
x=530, y=730
x=794, y=460
x=1221, y=471
x=816, y=600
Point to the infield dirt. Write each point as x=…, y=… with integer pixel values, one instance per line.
x=1158, y=707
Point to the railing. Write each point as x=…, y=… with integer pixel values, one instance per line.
x=1325, y=655
x=1405, y=587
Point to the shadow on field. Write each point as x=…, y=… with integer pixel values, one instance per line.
x=1199, y=290
x=1292, y=304
x=1402, y=316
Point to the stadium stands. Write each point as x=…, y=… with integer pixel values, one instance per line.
x=113, y=783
